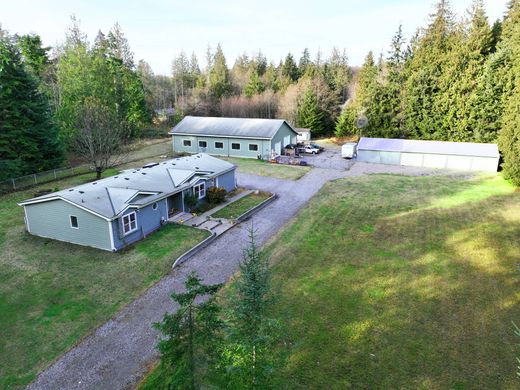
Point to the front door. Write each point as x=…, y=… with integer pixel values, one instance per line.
x=278, y=148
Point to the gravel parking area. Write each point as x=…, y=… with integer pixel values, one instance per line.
x=116, y=355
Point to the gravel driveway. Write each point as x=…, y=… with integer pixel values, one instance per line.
x=116, y=355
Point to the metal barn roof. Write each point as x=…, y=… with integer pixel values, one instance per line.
x=229, y=127
x=134, y=187
x=429, y=147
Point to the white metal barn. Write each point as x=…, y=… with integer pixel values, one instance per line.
x=432, y=154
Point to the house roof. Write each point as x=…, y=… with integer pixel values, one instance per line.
x=109, y=197
x=429, y=147
x=302, y=130
x=229, y=127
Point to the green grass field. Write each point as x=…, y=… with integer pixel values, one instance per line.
x=239, y=207
x=53, y=293
x=392, y=282
x=265, y=168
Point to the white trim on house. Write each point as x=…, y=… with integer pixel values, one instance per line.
x=77, y=221
x=125, y=232
x=252, y=150
x=65, y=200
x=201, y=192
x=186, y=142
x=111, y=232
x=26, y=217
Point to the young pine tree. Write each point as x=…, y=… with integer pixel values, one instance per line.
x=250, y=354
x=191, y=341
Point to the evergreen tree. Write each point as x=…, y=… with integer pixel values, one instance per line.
x=255, y=85
x=28, y=137
x=305, y=62
x=191, y=342
x=250, y=356
x=219, y=84
x=337, y=73
x=310, y=115
x=289, y=68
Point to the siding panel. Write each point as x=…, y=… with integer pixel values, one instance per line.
x=52, y=220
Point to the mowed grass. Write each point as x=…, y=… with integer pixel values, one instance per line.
x=53, y=293
x=393, y=282
x=239, y=207
x=265, y=168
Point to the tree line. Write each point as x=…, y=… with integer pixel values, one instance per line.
x=454, y=81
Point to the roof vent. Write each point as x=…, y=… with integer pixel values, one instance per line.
x=94, y=183
x=127, y=178
x=115, y=177
x=150, y=165
x=81, y=192
x=196, y=167
x=72, y=189
x=143, y=173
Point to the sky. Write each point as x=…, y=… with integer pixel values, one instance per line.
x=159, y=29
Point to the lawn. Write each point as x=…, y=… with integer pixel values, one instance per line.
x=265, y=168
x=393, y=282
x=53, y=293
x=239, y=207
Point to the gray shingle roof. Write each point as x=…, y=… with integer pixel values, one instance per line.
x=429, y=147
x=109, y=197
x=229, y=127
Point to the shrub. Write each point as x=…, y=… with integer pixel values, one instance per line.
x=215, y=195
x=190, y=201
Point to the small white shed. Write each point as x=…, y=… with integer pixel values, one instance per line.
x=304, y=135
x=431, y=154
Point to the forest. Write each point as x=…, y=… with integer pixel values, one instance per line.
x=456, y=79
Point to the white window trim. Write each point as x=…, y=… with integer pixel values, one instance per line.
x=236, y=143
x=184, y=141
x=77, y=221
x=249, y=147
x=219, y=142
x=202, y=191
x=200, y=146
x=123, y=221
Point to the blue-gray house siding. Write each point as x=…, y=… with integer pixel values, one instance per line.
x=98, y=208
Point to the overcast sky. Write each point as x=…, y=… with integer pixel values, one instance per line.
x=159, y=29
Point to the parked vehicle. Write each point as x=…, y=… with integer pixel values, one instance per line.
x=312, y=149
x=349, y=150
x=321, y=148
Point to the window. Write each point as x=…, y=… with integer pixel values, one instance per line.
x=253, y=147
x=235, y=146
x=74, y=222
x=219, y=145
x=203, y=144
x=186, y=142
x=154, y=206
x=199, y=190
x=129, y=223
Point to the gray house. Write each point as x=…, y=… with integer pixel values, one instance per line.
x=432, y=154
x=114, y=212
x=234, y=137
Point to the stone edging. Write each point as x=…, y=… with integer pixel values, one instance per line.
x=197, y=248
x=259, y=206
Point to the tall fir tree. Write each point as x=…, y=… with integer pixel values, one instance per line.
x=310, y=115
x=28, y=137
x=191, y=343
x=219, y=82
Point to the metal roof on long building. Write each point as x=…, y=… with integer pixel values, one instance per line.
x=229, y=127
x=429, y=147
x=135, y=187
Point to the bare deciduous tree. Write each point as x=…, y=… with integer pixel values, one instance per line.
x=100, y=136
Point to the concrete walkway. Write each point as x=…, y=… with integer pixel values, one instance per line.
x=116, y=355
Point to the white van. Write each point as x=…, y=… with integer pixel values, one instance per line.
x=348, y=150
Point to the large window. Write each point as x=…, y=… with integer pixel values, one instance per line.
x=186, y=142
x=130, y=223
x=74, y=222
x=219, y=145
x=235, y=146
x=253, y=147
x=199, y=190
x=203, y=144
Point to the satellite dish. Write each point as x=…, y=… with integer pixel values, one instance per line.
x=361, y=122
